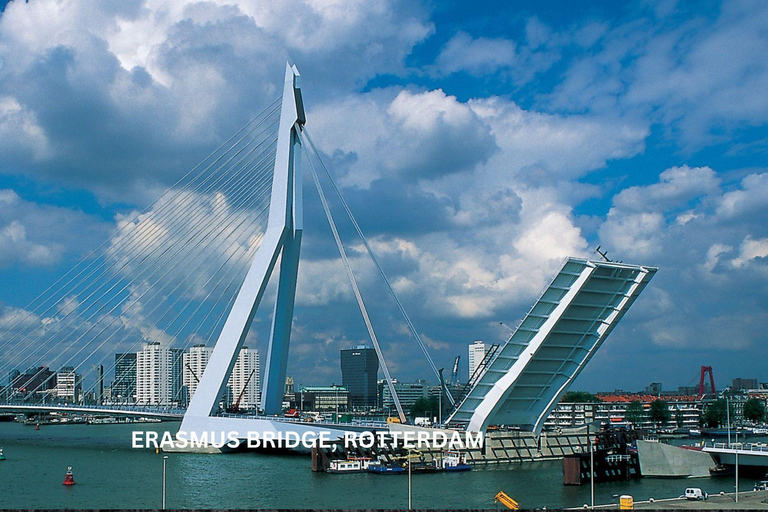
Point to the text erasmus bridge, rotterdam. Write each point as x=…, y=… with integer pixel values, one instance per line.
x=518, y=383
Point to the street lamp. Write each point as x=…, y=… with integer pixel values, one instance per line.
x=165, y=458
x=737, y=465
x=409, y=480
x=591, y=468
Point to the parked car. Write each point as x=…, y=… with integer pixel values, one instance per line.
x=695, y=493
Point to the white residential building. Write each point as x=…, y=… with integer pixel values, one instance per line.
x=194, y=363
x=154, y=375
x=246, y=370
x=476, y=355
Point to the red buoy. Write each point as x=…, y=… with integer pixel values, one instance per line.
x=68, y=478
x=37, y=426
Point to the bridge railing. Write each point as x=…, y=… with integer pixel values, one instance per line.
x=741, y=447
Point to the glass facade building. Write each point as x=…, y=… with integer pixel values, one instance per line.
x=359, y=371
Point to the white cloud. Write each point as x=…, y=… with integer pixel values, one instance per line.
x=677, y=186
x=145, y=90
x=542, y=147
x=699, y=79
x=750, y=200
x=36, y=235
x=750, y=250
x=477, y=56
x=409, y=135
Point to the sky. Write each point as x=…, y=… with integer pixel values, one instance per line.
x=477, y=145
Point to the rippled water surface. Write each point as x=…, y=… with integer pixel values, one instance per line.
x=110, y=474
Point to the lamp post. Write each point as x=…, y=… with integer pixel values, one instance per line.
x=737, y=465
x=591, y=468
x=409, y=480
x=165, y=458
x=728, y=418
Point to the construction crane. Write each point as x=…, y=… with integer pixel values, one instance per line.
x=236, y=405
x=193, y=373
x=455, y=372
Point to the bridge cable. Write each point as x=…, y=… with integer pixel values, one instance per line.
x=29, y=309
x=358, y=296
x=408, y=321
x=132, y=235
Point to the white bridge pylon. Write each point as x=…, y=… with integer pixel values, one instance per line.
x=283, y=236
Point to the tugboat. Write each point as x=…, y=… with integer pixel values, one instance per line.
x=455, y=461
x=68, y=478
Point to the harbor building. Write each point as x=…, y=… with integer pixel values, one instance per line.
x=39, y=381
x=324, y=398
x=124, y=385
x=685, y=412
x=244, y=380
x=69, y=385
x=359, y=371
x=476, y=355
x=154, y=375
x=743, y=384
x=407, y=392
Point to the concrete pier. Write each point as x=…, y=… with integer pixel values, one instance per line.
x=663, y=460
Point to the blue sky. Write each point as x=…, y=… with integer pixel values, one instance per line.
x=479, y=146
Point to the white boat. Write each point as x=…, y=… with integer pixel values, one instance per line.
x=352, y=465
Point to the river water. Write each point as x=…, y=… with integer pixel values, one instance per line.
x=110, y=474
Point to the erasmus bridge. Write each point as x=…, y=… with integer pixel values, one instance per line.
x=195, y=267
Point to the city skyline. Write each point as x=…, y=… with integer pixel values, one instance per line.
x=477, y=147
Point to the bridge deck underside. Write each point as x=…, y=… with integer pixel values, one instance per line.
x=552, y=344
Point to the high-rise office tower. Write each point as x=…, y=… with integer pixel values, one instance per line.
x=476, y=355
x=124, y=385
x=359, y=370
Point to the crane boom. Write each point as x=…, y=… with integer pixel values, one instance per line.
x=455, y=372
x=236, y=405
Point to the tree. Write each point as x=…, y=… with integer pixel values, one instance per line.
x=754, y=410
x=579, y=396
x=716, y=415
x=634, y=413
x=660, y=412
x=425, y=407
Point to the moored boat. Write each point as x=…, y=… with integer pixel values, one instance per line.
x=351, y=465
x=385, y=469
x=455, y=461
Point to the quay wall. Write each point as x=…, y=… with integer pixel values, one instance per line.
x=514, y=445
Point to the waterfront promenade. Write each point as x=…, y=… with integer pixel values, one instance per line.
x=749, y=500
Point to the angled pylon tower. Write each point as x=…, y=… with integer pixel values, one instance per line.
x=283, y=236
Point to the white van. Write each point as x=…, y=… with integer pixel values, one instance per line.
x=694, y=493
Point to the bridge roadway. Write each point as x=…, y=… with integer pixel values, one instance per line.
x=169, y=413
x=164, y=413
